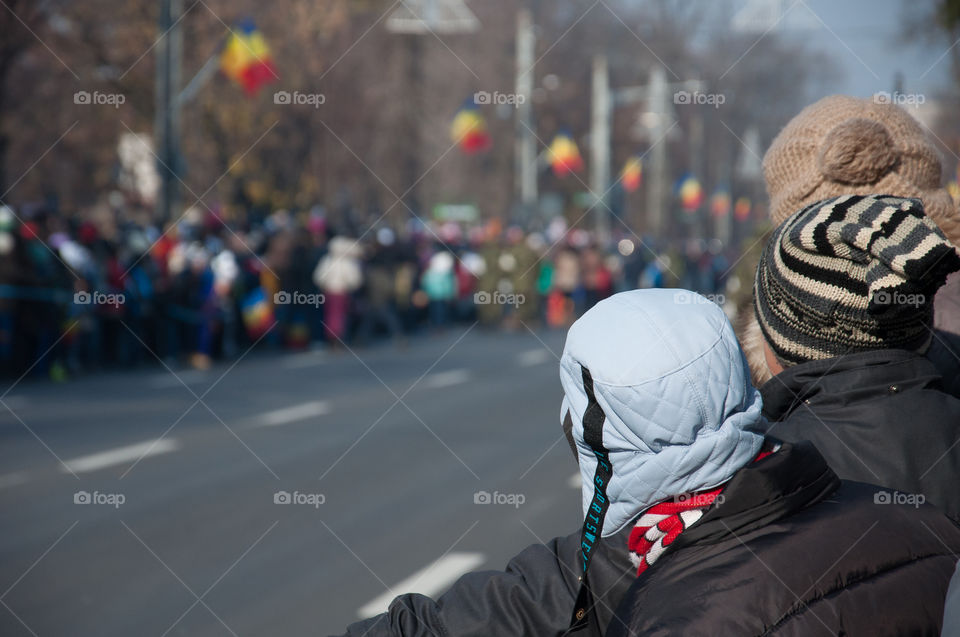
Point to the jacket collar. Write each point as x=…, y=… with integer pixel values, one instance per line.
x=863, y=375
x=763, y=492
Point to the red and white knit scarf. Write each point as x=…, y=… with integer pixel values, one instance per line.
x=662, y=523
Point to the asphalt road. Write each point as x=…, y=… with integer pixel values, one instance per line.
x=285, y=494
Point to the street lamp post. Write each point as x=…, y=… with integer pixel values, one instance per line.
x=167, y=108
x=600, y=124
x=525, y=151
x=660, y=106
x=415, y=18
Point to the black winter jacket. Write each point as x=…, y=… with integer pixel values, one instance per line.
x=535, y=595
x=879, y=417
x=789, y=553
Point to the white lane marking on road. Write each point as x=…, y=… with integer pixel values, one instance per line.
x=575, y=482
x=534, y=357
x=287, y=415
x=430, y=580
x=12, y=479
x=306, y=359
x=103, y=459
x=445, y=379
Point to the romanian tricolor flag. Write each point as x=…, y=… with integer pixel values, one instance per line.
x=469, y=129
x=720, y=204
x=690, y=192
x=741, y=209
x=632, y=175
x=257, y=312
x=564, y=156
x=246, y=58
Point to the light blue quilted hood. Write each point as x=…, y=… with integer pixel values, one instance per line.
x=680, y=411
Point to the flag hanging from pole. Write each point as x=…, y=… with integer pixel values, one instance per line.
x=563, y=155
x=720, y=203
x=741, y=209
x=246, y=58
x=469, y=129
x=690, y=192
x=632, y=175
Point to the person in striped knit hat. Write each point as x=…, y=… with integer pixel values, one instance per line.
x=847, y=145
x=843, y=299
x=851, y=274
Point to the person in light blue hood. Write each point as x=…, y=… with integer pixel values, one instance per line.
x=664, y=372
x=659, y=403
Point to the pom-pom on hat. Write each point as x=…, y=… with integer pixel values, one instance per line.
x=846, y=145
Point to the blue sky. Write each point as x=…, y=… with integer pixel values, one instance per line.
x=865, y=38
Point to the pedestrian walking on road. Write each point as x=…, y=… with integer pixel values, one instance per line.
x=338, y=275
x=440, y=286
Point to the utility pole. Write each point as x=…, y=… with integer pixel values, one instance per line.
x=698, y=225
x=415, y=19
x=414, y=113
x=661, y=119
x=525, y=146
x=167, y=108
x=723, y=227
x=659, y=104
x=600, y=125
x=749, y=166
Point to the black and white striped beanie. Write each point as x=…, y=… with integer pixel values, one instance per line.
x=850, y=274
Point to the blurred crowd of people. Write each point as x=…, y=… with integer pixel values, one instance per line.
x=79, y=295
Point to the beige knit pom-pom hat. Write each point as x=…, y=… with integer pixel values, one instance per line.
x=847, y=145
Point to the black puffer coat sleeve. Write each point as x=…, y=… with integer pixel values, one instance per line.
x=533, y=596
